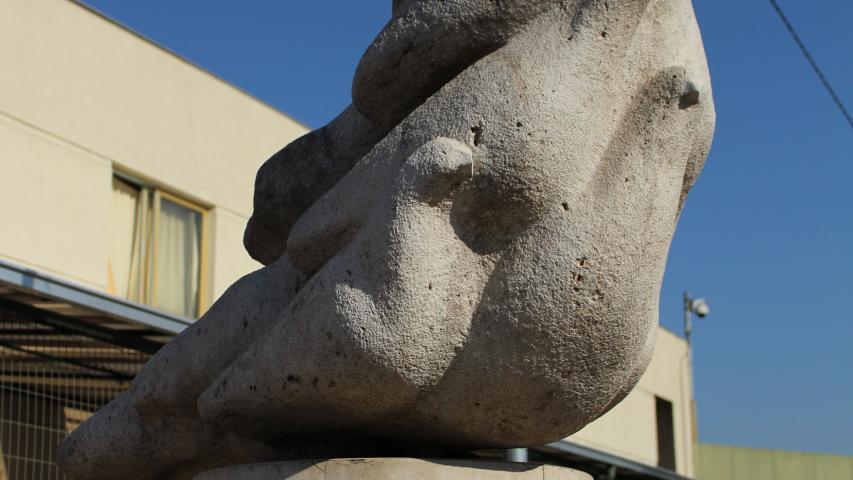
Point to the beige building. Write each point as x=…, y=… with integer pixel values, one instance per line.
x=654, y=424
x=724, y=462
x=97, y=125
x=126, y=178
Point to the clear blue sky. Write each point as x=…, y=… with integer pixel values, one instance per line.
x=767, y=234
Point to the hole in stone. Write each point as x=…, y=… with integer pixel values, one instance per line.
x=477, y=130
x=688, y=100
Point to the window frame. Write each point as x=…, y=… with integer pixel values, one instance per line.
x=158, y=194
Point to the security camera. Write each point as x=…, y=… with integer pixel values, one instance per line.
x=700, y=307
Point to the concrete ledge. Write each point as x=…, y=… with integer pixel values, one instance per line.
x=393, y=469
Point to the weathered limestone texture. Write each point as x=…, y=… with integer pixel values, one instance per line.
x=394, y=469
x=468, y=257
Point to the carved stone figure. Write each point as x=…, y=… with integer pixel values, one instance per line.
x=468, y=257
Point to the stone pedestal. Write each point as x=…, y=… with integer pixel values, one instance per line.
x=393, y=469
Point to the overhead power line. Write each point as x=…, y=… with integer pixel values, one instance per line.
x=813, y=63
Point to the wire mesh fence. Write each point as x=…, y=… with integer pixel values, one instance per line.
x=52, y=378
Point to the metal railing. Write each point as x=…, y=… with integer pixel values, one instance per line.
x=52, y=377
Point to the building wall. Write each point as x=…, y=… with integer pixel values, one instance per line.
x=81, y=96
x=722, y=462
x=630, y=429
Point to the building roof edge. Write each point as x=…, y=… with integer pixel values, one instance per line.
x=185, y=60
x=33, y=282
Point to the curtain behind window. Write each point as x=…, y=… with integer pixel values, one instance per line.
x=130, y=222
x=122, y=224
x=178, y=258
x=139, y=285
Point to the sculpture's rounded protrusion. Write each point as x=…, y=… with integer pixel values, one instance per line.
x=438, y=166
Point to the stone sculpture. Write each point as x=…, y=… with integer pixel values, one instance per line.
x=468, y=257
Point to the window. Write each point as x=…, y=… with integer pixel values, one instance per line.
x=157, y=248
x=666, y=434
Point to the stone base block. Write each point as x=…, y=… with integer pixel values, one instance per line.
x=393, y=469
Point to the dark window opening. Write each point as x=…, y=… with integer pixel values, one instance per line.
x=666, y=434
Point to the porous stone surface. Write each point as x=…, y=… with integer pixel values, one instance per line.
x=394, y=469
x=468, y=257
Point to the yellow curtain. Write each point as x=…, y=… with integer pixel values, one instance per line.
x=123, y=224
x=178, y=258
x=140, y=250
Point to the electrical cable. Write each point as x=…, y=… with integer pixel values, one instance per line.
x=813, y=63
